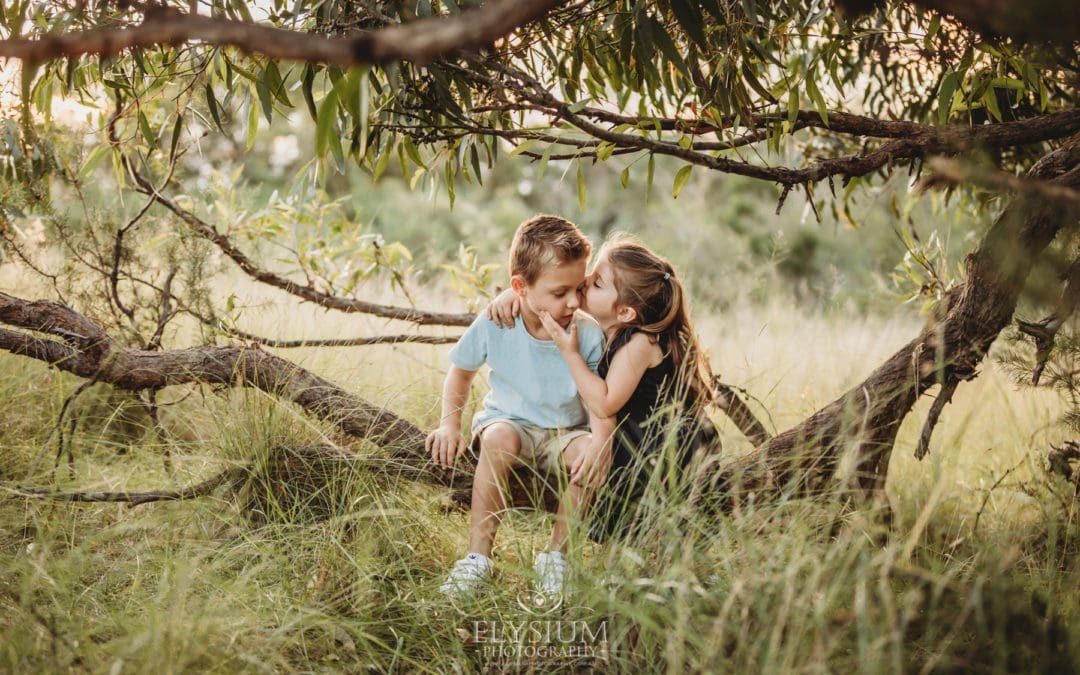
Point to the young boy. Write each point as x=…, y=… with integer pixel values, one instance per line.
x=532, y=415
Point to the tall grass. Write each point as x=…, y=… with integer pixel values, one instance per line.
x=793, y=585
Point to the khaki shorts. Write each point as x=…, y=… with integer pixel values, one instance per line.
x=541, y=448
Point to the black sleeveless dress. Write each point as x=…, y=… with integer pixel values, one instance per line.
x=649, y=423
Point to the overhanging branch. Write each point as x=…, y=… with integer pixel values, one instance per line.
x=418, y=41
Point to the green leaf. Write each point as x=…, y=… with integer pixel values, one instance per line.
x=176, y=135
x=474, y=159
x=793, y=104
x=308, y=82
x=544, y=161
x=690, y=20
x=667, y=46
x=649, y=176
x=325, y=122
x=96, y=155
x=989, y=97
x=521, y=147
x=448, y=169
x=815, y=96
x=580, y=187
x=264, y=99
x=624, y=177
x=212, y=104
x=945, y=95
x=681, y=177
x=382, y=163
x=147, y=132
x=252, y=125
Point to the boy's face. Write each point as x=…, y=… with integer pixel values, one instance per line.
x=555, y=291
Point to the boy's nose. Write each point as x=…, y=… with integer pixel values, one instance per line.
x=573, y=300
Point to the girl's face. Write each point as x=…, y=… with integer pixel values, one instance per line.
x=600, y=297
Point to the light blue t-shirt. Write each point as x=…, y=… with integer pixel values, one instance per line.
x=530, y=381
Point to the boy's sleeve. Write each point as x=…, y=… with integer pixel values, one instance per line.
x=593, y=348
x=471, y=351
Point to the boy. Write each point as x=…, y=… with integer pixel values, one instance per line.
x=532, y=415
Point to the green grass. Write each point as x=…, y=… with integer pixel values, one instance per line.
x=794, y=585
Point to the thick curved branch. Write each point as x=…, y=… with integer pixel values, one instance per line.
x=305, y=292
x=866, y=418
x=418, y=41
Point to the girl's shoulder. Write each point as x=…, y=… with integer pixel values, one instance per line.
x=643, y=347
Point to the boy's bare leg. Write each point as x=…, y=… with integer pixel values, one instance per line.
x=574, y=501
x=500, y=446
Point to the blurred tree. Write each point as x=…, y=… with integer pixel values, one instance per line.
x=791, y=93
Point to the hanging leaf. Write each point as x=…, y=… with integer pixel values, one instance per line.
x=308, y=82
x=212, y=105
x=521, y=147
x=325, y=125
x=252, y=124
x=580, y=187
x=945, y=96
x=989, y=97
x=624, y=177
x=816, y=98
x=681, y=177
x=649, y=176
x=176, y=136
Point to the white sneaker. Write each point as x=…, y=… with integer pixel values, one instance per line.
x=467, y=575
x=551, y=569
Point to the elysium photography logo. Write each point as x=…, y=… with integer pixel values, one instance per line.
x=543, y=635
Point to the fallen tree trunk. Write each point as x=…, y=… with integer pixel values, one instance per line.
x=84, y=349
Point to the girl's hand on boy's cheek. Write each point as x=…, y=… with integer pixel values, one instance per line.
x=567, y=342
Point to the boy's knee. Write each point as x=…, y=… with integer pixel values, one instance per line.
x=500, y=440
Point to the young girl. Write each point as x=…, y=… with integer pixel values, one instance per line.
x=652, y=377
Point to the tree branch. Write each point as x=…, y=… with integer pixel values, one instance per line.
x=922, y=140
x=226, y=477
x=417, y=41
x=305, y=292
x=1045, y=331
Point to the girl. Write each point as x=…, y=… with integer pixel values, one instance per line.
x=652, y=377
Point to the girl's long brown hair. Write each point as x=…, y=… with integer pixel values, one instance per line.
x=647, y=283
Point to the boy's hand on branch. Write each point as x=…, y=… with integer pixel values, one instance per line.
x=566, y=342
x=591, y=468
x=504, y=309
x=445, y=445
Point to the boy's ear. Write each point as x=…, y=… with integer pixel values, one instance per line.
x=626, y=314
x=518, y=285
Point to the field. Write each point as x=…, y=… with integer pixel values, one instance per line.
x=975, y=573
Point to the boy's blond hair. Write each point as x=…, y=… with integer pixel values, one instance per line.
x=545, y=240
